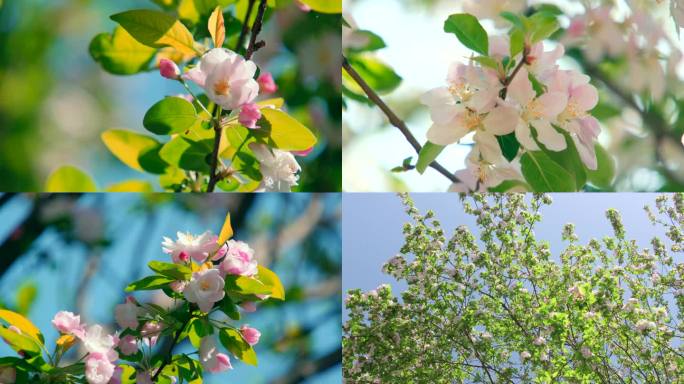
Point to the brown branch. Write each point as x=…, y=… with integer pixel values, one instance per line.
x=256, y=29
x=213, y=175
x=393, y=118
x=245, y=26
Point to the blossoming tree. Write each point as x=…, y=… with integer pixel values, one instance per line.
x=533, y=121
x=495, y=306
x=210, y=278
x=226, y=133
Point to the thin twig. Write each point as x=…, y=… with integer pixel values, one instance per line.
x=393, y=118
x=167, y=360
x=256, y=29
x=245, y=26
x=218, y=133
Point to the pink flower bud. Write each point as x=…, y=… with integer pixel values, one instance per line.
x=169, y=69
x=248, y=306
x=184, y=257
x=249, y=115
x=302, y=153
x=266, y=83
x=251, y=335
x=178, y=286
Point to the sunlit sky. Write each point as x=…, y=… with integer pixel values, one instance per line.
x=56, y=287
x=420, y=52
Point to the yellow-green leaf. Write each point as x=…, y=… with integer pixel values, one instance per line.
x=25, y=325
x=69, y=179
x=226, y=230
x=276, y=103
x=285, y=132
x=156, y=29
x=138, y=151
x=236, y=344
x=324, y=6
x=119, y=53
x=19, y=342
x=270, y=279
x=217, y=28
x=131, y=186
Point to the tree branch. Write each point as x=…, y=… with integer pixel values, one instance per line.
x=245, y=26
x=218, y=132
x=256, y=29
x=167, y=359
x=393, y=118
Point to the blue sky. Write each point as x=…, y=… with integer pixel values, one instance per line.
x=372, y=223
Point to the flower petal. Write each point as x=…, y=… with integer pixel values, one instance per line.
x=501, y=120
x=551, y=104
x=547, y=135
x=585, y=96
x=524, y=135
x=445, y=134
x=520, y=89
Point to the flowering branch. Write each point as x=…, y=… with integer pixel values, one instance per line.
x=169, y=355
x=393, y=118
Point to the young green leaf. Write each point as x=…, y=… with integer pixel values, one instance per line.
x=22, y=323
x=138, y=151
x=20, y=342
x=187, y=154
x=170, y=115
x=232, y=340
x=285, y=132
x=149, y=283
x=156, y=29
x=244, y=285
x=468, y=31
x=544, y=174
x=271, y=280
x=427, y=155
x=119, y=53
x=171, y=270
x=69, y=179
x=604, y=175
x=377, y=74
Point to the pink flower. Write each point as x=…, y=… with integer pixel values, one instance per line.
x=68, y=323
x=266, y=83
x=239, y=260
x=126, y=314
x=249, y=115
x=116, y=378
x=538, y=112
x=169, y=69
x=211, y=359
x=248, y=306
x=197, y=247
x=96, y=341
x=226, y=77
x=99, y=370
x=128, y=345
x=178, y=286
x=303, y=153
x=251, y=335
x=150, y=331
x=205, y=288
x=8, y=375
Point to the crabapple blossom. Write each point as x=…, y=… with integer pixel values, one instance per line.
x=251, y=335
x=481, y=174
x=96, y=341
x=205, y=288
x=212, y=360
x=150, y=332
x=68, y=323
x=99, y=370
x=525, y=355
x=126, y=314
x=199, y=248
x=226, y=77
x=249, y=115
x=169, y=69
x=239, y=259
x=492, y=9
x=279, y=168
x=128, y=345
x=266, y=83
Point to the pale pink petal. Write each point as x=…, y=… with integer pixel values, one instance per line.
x=585, y=96
x=524, y=135
x=520, y=89
x=501, y=120
x=445, y=134
x=551, y=104
x=196, y=75
x=488, y=146
x=547, y=135
x=587, y=153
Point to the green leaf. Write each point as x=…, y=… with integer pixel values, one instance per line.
x=171, y=270
x=377, y=74
x=26, y=295
x=138, y=151
x=543, y=25
x=149, y=283
x=508, y=185
x=373, y=41
x=198, y=329
x=468, y=31
x=69, y=179
x=170, y=115
x=22, y=323
x=229, y=308
x=544, y=174
x=517, y=42
x=427, y=155
x=487, y=61
x=604, y=175
x=271, y=280
x=569, y=159
x=285, y=132
x=23, y=343
x=509, y=146
x=244, y=285
x=324, y=6
x=187, y=154
x=233, y=341
x=518, y=21
x=156, y=29
x=119, y=53
x=604, y=111
x=131, y=186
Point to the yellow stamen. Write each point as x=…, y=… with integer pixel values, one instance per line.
x=222, y=87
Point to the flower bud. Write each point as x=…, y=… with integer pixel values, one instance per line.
x=266, y=83
x=249, y=115
x=169, y=69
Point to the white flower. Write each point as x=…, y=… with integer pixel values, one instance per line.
x=539, y=340
x=96, y=341
x=643, y=325
x=205, y=288
x=278, y=168
x=227, y=78
x=525, y=355
x=190, y=246
x=126, y=314
x=211, y=359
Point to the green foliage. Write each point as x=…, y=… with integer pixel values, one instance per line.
x=324, y=6
x=282, y=131
x=119, y=53
x=169, y=116
x=604, y=175
x=187, y=154
x=377, y=74
x=156, y=29
x=149, y=283
x=138, y=151
x=469, y=32
x=233, y=341
x=171, y=270
x=545, y=175
x=69, y=179
x=428, y=153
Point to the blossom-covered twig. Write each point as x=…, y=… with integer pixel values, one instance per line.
x=392, y=117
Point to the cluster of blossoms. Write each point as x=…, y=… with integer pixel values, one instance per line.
x=496, y=306
x=491, y=103
x=202, y=265
x=228, y=80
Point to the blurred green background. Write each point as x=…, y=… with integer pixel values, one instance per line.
x=78, y=252
x=55, y=100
